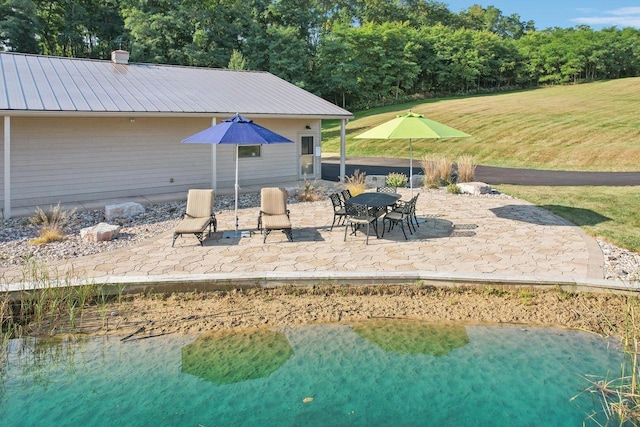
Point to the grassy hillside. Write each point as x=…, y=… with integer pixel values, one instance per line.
x=593, y=126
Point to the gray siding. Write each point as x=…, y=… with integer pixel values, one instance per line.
x=74, y=159
x=63, y=159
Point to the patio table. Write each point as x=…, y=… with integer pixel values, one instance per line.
x=374, y=200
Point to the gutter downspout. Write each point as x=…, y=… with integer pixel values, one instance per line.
x=343, y=148
x=7, y=167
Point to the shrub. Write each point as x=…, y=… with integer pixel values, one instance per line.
x=397, y=180
x=309, y=192
x=430, y=171
x=51, y=224
x=355, y=183
x=48, y=235
x=444, y=166
x=453, y=189
x=466, y=168
x=437, y=171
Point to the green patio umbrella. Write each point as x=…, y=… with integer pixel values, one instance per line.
x=226, y=357
x=411, y=126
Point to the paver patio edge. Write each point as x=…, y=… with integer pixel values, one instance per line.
x=222, y=281
x=595, y=261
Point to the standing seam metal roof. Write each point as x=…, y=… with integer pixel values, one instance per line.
x=48, y=83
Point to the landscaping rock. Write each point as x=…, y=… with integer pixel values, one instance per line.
x=123, y=210
x=102, y=232
x=374, y=181
x=475, y=188
x=418, y=180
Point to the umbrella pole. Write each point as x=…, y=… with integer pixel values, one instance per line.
x=236, y=187
x=411, y=167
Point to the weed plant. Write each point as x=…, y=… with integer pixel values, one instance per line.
x=355, y=183
x=6, y=325
x=620, y=396
x=51, y=305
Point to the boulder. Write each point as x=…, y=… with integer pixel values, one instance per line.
x=418, y=180
x=375, y=181
x=102, y=232
x=123, y=210
x=475, y=188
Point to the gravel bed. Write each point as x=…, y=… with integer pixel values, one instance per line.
x=16, y=233
x=158, y=218
x=620, y=263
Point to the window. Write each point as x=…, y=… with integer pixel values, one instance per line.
x=307, y=145
x=245, y=151
x=306, y=156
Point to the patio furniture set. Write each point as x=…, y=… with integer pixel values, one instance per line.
x=363, y=210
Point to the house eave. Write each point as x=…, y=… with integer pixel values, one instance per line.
x=42, y=113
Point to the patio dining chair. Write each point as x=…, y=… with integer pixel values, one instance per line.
x=399, y=217
x=274, y=214
x=346, y=195
x=357, y=216
x=400, y=205
x=198, y=216
x=339, y=211
x=388, y=190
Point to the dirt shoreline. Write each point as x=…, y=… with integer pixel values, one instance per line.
x=145, y=316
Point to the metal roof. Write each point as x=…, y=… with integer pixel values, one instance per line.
x=36, y=83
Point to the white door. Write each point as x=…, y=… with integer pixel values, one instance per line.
x=307, y=157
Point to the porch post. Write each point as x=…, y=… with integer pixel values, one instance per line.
x=343, y=148
x=7, y=167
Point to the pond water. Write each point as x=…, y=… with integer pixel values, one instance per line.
x=386, y=373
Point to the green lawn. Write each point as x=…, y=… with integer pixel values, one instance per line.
x=608, y=213
x=592, y=127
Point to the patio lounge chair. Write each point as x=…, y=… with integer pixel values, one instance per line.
x=198, y=216
x=274, y=214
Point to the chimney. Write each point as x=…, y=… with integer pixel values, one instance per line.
x=120, y=57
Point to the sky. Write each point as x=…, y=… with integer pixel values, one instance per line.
x=563, y=13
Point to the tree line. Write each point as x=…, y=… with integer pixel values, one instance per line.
x=355, y=53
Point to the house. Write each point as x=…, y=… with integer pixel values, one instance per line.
x=76, y=130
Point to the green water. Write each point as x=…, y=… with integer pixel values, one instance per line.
x=490, y=376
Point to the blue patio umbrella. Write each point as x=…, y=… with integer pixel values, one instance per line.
x=237, y=131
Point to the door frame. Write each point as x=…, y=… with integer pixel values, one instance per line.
x=316, y=157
